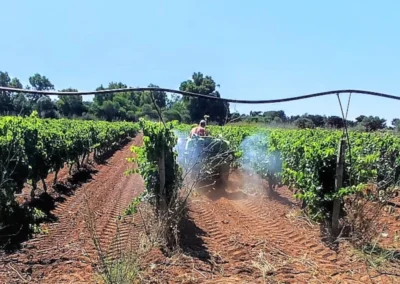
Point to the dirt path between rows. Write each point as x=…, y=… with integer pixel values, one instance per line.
x=65, y=254
x=232, y=236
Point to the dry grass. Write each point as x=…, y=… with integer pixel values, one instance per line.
x=266, y=268
x=273, y=264
x=361, y=221
x=365, y=226
x=376, y=256
x=123, y=270
x=300, y=218
x=120, y=267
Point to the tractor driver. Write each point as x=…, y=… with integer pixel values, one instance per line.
x=199, y=130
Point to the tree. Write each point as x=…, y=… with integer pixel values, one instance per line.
x=39, y=83
x=7, y=98
x=255, y=113
x=335, y=122
x=303, y=123
x=174, y=98
x=293, y=118
x=110, y=110
x=271, y=115
x=277, y=120
x=148, y=112
x=172, y=114
x=159, y=97
x=113, y=106
x=235, y=117
x=198, y=107
x=101, y=98
x=318, y=120
x=396, y=123
x=21, y=105
x=372, y=123
x=175, y=108
x=15, y=83
x=360, y=118
x=131, y=115
x=47, y=108
x=71, y=105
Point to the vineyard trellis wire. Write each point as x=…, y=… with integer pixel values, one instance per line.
x=191, y=94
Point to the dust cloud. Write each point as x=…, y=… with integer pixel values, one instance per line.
x=254, y=164
x=187, y=165
x=256, y=161
x=180, y=146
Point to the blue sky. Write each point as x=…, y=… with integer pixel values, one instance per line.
x=253, y=49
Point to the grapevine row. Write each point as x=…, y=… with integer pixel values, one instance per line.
x=31, y=148
x=157, y=164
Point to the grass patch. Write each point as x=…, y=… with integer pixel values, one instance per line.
x=376, y=256
x=123, y=270
x=266, y=268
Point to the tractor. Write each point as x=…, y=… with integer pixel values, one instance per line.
x=209, y=159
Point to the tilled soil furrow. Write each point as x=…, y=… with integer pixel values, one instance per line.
x=225, y=221
x=123, y=241
x=231, y=237
x=265, y=227
x=231, y=258
x=61, y=256
x=317, y=262
x=258, y=241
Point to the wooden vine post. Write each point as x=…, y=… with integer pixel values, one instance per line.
x=161, y=170
x=338, y=185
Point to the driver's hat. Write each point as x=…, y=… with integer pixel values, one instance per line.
x=203, y=122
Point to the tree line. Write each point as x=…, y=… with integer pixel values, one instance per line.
x=130, y=106
x=362, y=122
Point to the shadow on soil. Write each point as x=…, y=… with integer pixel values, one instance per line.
x=24, y=218
x=48, y=202
x=103, y=158
x=274, y=194
x=191, y=241
x=75, y=181
x=21, y=219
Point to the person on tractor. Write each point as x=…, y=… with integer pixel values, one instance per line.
x=199, y=130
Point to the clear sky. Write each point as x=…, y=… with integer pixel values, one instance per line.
x=254, y=49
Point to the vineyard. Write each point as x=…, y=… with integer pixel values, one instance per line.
x=32, y=148
x=305, y=160
x=264, y=226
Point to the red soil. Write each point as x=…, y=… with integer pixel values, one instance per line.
x=231, y=237
x=65, y=253
x=233, y=229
